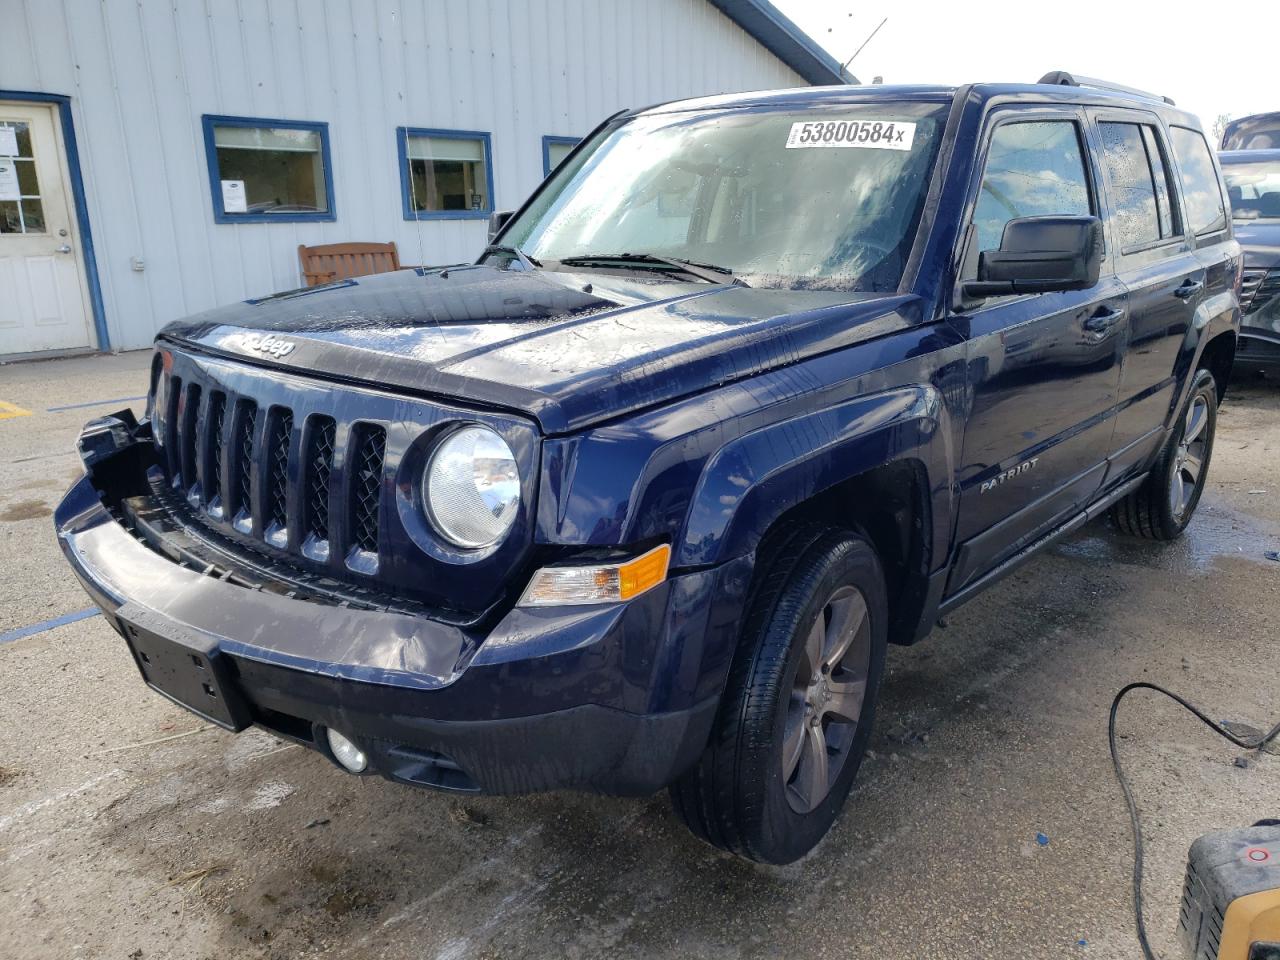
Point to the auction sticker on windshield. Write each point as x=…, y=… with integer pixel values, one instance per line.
x=882, y=134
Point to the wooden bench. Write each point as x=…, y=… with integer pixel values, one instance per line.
x=338, y=261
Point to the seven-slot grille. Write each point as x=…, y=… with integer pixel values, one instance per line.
x=287, y=438
x=270, y=475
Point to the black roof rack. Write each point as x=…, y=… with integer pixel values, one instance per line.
x=1063, y=79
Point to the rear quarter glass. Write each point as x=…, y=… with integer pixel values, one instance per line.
x=1206, y=208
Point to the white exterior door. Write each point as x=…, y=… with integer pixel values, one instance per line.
x=44, y=303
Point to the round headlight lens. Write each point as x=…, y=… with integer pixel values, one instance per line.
x=472, y=488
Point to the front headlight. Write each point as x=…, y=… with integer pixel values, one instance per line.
x=471, y=488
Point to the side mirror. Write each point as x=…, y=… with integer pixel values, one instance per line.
x=497, y=220
x=1040, y=255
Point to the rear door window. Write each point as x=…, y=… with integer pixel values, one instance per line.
x=1133, y=188
x=1170, y=222
x=1140, y=189
x=1206, y=212
x=1035, y=168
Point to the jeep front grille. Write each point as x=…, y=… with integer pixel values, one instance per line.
x=213, y=460
x=246, y=426
x=366, y=490
x=190, y=430
x=279, y=436
x=321, y=433
x=317, y=481
x=269, y=472
x=168, y=432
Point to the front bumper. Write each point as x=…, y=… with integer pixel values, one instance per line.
x=1259, y=347
x=616, y=699
x=1259, y=344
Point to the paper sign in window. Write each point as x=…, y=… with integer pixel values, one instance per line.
x=9, y=180
x=233, y=196
x=8, y=141
x=879, y=134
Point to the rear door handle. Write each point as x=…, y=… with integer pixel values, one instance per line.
x=1189, y=289
x=1103, y=319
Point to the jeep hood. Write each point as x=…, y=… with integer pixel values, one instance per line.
x=1261, y=242
x=569, y=349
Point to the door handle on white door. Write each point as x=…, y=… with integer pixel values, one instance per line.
x=65, y=248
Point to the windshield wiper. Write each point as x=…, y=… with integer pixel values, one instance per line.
x=703, y=271
x=524, y=259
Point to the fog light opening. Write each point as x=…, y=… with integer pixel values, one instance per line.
x=350, y=756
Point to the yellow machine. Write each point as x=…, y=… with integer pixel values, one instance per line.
x=1231, y=899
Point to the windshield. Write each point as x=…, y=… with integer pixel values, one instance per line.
x=1254, y=189
x=826, y=197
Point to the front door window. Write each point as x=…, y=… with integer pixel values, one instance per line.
x=1034, y=169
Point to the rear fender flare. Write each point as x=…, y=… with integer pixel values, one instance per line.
x=1214, y=316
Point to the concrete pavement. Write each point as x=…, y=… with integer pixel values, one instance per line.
x=129, y=831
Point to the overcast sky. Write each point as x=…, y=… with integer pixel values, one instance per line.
x=1210, y=58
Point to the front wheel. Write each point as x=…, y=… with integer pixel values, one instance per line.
x=1163, y=506
x=798, y=708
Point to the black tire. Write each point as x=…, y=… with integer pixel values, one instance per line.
x=1150, y=511
x=736, y=797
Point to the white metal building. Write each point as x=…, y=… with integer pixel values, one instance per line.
x=160, y=157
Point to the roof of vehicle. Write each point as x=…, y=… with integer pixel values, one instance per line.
x=847, y=93
x=1247, y=156
x=1027, y=92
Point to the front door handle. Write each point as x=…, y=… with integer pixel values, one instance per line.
x=1188, y=289
x=1103, y=319
x=65, y=248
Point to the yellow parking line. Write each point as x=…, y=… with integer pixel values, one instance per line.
x=9, y=410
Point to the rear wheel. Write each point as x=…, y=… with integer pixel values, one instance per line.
x=797, y=712
x=1163, y=506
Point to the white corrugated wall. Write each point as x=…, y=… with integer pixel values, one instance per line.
x=142, y=72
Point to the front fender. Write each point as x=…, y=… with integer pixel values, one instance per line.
x=752, y=480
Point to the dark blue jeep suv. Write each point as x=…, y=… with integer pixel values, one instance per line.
x=751, y=387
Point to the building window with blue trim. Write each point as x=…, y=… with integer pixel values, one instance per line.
x=554, y=150
x=268, y=170
x=445, y=174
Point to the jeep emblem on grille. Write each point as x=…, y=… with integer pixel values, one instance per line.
x=269, y=344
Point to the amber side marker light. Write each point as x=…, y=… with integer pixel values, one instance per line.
x=597, y=583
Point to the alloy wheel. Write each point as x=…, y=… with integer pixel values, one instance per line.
x=1188, y=462
x=826, y=699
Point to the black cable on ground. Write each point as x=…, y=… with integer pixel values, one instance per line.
x=1134, y=818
